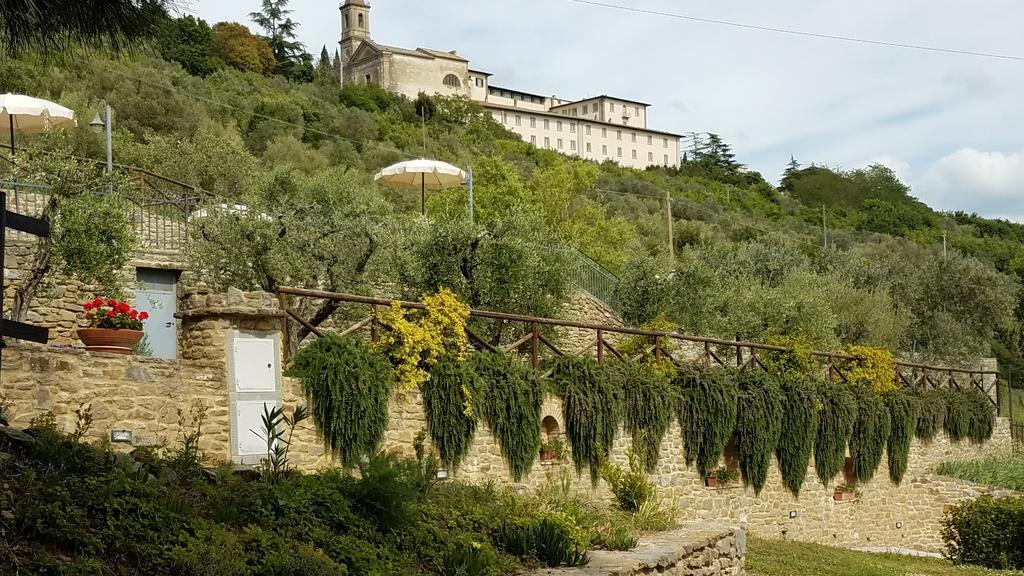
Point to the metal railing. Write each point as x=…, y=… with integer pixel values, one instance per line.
x=159, y=208
x=591, y=277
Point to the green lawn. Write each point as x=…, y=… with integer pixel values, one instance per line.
x=1004, y=471
x=777, y=558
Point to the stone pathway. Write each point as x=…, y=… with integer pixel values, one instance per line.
x=697, y=549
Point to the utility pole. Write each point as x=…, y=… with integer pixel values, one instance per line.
x=824, y=230
x=943, y=246
x=671, y=235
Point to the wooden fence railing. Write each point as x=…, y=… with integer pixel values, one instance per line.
x=537, y=344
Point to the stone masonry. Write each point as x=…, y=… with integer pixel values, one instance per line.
x=691, y=550
x=150, y=396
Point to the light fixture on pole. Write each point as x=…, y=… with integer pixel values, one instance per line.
x=105, y=123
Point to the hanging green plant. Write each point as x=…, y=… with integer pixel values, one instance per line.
x=591, y=406
x=448, y=397
x=347, y=386
x=970, y=415
x=903, y=412
x=799, y=429
x=707, y=414
x=931, y=416
x=647, y=407
x=870, y=434
x=835, y=426
x=510, y=405
x=758, y=424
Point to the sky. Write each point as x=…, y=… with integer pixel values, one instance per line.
x=951, y=126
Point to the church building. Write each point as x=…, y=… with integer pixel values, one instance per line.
x=597, y=128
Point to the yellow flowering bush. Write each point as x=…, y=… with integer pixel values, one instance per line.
x=796, y=365
x=414, y=345
x=873, y=368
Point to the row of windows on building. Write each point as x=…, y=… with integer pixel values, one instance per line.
x=596, y=108
x=560, y=145
x=517, y=120
x=514, y=95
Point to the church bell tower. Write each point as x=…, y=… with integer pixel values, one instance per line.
x=355, y=28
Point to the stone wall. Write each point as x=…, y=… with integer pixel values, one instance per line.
x=58, y=303
x=150, y=397
x=691, y=550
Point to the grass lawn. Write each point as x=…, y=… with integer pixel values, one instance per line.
x=1003, y=471
x=777, y=558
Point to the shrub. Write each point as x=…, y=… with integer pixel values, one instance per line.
x=467, y=558
x=872, y=368
x=647, y=407
x=758, y=424
x=970, y=415
x=387, y=491
x=630, y=487
x=448, y=405
x=348, y=387
x=799, y=430
x=591, y=406
x=931, y=416
x=707, y=414
x=903, y=413
x=988, y=532
x=546, y=538
x=870, y=434
x=835, y=426
x=1004, y=471
x=511, y=407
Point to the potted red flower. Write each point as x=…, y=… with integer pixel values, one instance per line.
x=114, y=326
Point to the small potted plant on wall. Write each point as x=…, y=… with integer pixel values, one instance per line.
x=551, y=450
x=114, y=326
x=721, y=477
x=845, y=492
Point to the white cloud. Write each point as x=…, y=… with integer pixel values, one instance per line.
x=989, y=183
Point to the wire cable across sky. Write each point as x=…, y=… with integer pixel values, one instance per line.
x=803, y=33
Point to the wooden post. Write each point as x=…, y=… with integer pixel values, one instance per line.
x=282, y=303
x=707, y=354
x=600, y=345
x=657, y=348
x=535, y=345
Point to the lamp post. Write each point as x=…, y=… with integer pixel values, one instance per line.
x=106, y=124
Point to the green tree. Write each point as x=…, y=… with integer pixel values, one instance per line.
x=189, y=42
x=56, y=26
x=91, y=235
x=325, y=68
x=322, y=229
x=792, y=168
x=292, y=60
x=241, y=49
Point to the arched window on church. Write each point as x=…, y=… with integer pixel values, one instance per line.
x=361, y=25
x=452, y=80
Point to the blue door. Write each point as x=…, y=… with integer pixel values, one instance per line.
x=156, y=293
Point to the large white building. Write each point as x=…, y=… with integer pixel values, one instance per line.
x=598, y=128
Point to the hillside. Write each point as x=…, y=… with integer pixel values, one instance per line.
x=749, y=256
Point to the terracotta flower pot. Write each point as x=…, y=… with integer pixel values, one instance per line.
x=109, y=340
x=842, y=496
x=711, y=481
x=548, y=455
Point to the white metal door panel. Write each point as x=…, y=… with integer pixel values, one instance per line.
x=249, y=418
x=255, y=364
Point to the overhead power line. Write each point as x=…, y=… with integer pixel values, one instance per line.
x=803, y=33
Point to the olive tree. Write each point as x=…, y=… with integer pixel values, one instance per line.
x=91, y=237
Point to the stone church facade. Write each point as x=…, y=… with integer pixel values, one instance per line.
x=598, y=128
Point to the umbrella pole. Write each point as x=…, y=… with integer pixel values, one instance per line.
x=11, y=119
x=423, y=195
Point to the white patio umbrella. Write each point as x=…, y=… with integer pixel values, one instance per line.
x=423, y=174
x=30, y=115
